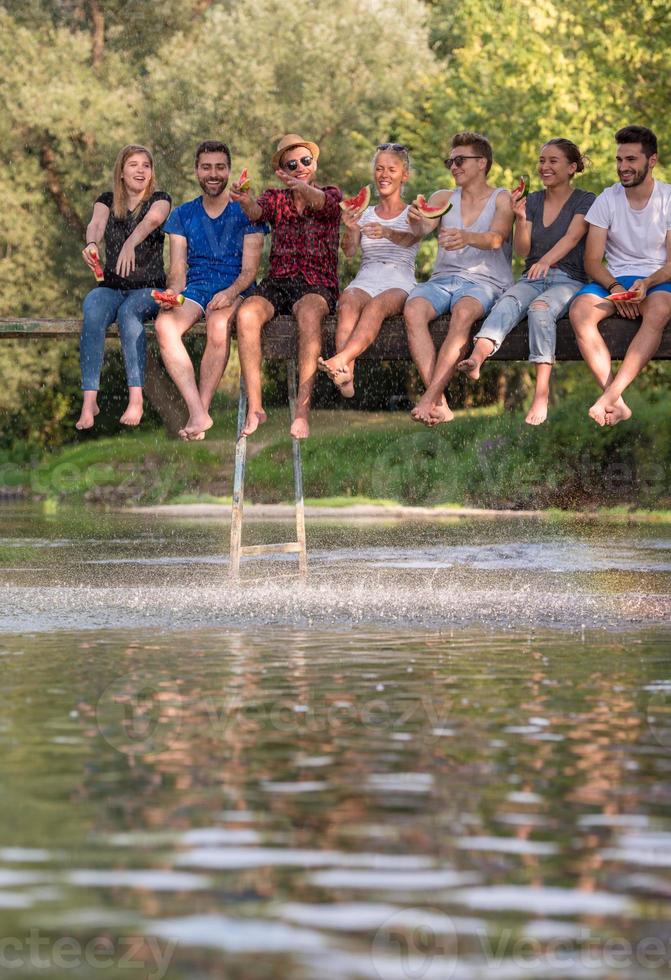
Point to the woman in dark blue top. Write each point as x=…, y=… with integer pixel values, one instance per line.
x=128, y=219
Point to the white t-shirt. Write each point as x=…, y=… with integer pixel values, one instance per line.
x=636, y=242
x=384, y=250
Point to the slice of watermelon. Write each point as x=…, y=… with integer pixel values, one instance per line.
x=623, y=297
x=427, y=211
x=243, y=180
x=523, y=186
x=359, y=202
x=97, y=266
x=172, y=300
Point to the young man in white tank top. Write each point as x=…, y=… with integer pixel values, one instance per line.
x=472, y=269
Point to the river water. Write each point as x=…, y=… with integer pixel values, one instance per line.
x=448, y=755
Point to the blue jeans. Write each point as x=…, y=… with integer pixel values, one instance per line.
x=130, y=308
x=556, y=290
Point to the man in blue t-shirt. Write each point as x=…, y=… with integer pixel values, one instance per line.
x=214, y=257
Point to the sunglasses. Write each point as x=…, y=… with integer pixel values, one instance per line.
x=292, y=165
x=457, y=161
x=396, y=147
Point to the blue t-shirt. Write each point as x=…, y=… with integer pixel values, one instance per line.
x=214, y=245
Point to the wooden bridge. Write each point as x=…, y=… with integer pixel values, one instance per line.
x=279, y=344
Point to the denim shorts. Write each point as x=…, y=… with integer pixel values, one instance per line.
x=594, y=289
x=202, y=293
x=443, y=292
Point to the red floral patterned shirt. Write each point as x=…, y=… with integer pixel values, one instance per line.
x=303, y=244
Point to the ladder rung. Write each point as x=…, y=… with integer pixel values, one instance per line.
x=289, y=547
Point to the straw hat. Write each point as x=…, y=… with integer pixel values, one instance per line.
x=288, y=142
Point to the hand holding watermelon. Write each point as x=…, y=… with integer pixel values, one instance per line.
x=167, y=299
x=353, y=207
x=92, y=259
x=241, y=185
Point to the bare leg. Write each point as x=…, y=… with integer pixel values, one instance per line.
x=585, y=314
x=171, y=325
x=133, y=413
x=253, y=314
x=471, y=365
x=656, y=311
x=418, y=313
x=339, y=371
x=309, y=311
x=366, y=331
x=538, y=412
x=89, y=411
x=463, y=316
x=217, y=350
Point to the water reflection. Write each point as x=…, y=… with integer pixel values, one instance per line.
x=375, y=798
x=326, y=801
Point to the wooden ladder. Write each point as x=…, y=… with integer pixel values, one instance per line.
x=238, y=550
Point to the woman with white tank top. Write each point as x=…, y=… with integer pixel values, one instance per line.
x=387, y=272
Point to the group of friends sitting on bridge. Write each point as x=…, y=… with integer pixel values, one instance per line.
x=592, y=256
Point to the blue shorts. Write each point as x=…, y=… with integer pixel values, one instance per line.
x=594, y=289
x=443, y=292
x=202, y=293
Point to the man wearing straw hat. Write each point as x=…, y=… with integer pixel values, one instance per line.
x=303, y=274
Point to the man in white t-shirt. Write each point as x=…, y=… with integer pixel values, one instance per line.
x=630, y=224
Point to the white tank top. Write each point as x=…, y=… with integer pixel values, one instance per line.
x=381, y=249
x=491, y=267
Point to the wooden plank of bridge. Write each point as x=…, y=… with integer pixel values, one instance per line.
x=279, y=337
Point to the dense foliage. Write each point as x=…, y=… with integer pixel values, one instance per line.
x=82, y=77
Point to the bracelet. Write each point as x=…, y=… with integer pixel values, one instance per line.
x=95, y=244
x=614, y=283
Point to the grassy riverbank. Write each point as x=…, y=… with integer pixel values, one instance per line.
x=485, y=458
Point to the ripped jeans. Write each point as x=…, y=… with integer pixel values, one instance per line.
x=556, y=291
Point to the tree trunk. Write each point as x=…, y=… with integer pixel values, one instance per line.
x=54, y=186
x=97, y=33
x=162, y=393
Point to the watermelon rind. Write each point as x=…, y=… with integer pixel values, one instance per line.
x=244, y=181
x=359, y=202
x=431, y=213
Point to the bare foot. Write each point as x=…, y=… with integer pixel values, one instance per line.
x=470, y=367
x=252, y=422
x=185, y=437
x=339, y=372
x=598, y=412
x=132, y=415
x=617, y=412
x=196, y=424
x=87, y=416
x=427, y=411
x=300, y=428
x=538, y=412
x=441, y=413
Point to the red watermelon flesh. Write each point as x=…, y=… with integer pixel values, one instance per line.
x=243, y=180
x=161, y=297
x=97, y=267
x=623, y=297
x=427, y=211
x=359, y=202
